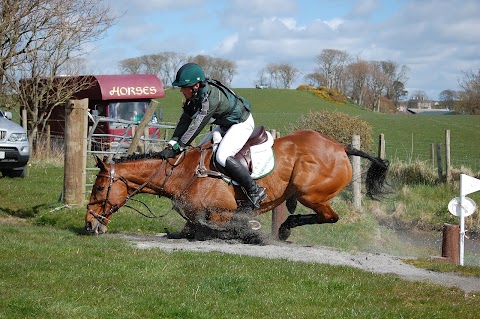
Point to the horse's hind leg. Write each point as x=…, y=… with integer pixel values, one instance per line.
x=324, y=214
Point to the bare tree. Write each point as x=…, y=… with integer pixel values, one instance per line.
x=274, y=75
x=262, y=77
x=331, y=64
x=315, y=79
x=219, y=69
x=39, y=40
x=357, y=74
x=377, y=82
x=470, y=96
x=131, y=66
x=287, y=74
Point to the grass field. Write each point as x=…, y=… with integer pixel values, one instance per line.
x=53, y=273
x=50, y=269
x=408, y=138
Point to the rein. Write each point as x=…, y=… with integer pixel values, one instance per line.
x=200, y=171
x=103, y=218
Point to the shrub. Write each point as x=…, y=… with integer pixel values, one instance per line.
x=337, y=125
x=331, y=95
x=415, y=173
x=305, y=87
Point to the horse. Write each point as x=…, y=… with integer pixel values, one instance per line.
x=310, y=168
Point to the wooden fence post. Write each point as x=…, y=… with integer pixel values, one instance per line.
x=75, y=150
x=141, y=127
x=357, y=176
x=439, y=163
x=448, y=168
x=432, y=155
x=381, y=146
x=279, y=213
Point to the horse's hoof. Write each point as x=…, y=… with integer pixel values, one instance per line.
x=284, y=233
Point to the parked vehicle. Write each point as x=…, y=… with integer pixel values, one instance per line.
x=14, y=147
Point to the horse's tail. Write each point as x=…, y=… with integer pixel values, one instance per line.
x=376, y=174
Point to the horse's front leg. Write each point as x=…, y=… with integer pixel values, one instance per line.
x=324, y=214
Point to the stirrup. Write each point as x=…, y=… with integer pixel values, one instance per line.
x=259, y=196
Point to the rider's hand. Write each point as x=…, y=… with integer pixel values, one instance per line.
x=169, y=152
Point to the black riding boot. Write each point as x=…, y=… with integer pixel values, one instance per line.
x=239, y=174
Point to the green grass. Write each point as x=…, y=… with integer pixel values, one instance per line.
x=52, y=273
x=50, y=269
x=408, y=137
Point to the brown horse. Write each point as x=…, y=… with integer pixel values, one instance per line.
x=310, y=167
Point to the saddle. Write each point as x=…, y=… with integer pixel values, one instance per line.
x=258, y=136
x=256, y=156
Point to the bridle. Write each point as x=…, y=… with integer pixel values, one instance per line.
x=103, y=217
x=200, y=172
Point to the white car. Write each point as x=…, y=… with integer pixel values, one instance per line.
x=14, y=147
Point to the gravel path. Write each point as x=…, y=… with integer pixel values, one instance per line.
x=375, y=263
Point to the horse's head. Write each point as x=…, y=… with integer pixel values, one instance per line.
x=108, y=194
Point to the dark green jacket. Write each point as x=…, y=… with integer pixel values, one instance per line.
x=213, y=104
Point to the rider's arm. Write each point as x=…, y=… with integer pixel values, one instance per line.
x=200, y=121
x=182, y=126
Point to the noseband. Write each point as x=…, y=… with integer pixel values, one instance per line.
x=103, y=218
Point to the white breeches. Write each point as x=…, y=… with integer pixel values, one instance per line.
x=234, y=139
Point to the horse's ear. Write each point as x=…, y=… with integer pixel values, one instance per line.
x=100, y=164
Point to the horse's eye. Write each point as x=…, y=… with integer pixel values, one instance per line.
x=100, y=188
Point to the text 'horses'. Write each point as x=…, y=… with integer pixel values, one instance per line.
x=310, y=167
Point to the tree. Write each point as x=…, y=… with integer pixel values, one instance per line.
x=331, y=63
x=470, y=96
x=287, y=74
x=315, y=79
x=40, y=40
x=448, y=97
x=377, y=81
x=357, y=75
x=219, y=69
x=282, y=74
x=163, y=64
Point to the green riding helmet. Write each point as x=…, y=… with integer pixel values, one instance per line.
x=189, y=75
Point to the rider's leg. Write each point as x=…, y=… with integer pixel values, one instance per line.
x=233, y=141
x=240, y=174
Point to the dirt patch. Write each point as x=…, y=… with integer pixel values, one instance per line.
x=375, y=263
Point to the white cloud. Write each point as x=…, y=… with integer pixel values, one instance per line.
x=227, y=45
x=437, y=39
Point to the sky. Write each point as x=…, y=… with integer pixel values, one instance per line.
x=438, y=40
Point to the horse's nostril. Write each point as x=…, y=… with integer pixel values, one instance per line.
x=88, y=226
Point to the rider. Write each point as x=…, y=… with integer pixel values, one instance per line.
x=207, y=102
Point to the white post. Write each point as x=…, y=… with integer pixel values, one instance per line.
x=462, y=222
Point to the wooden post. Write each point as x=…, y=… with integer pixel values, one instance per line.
x=432, y=155
x=279, y=213
x=47, y=141
x=448, y=168
x=357, y=176
x=381, y=146
x=439, y=163
x=75, y=145
x=142, y=125
x=450, y=240
x=25, y=126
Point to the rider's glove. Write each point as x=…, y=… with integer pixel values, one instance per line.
x=172, y=150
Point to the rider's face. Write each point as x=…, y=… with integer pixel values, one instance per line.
x=188, y=91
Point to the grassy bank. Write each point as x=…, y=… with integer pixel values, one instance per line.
x=53, y=273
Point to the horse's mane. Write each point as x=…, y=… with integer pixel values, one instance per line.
x=143, y=156
x=135, y=157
